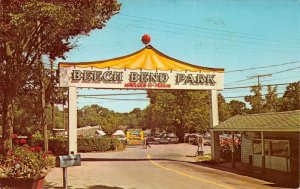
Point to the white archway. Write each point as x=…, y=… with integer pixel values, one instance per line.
x=148, y=69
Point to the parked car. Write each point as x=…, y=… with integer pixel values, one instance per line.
x=192, y=138
x=206, y=135
x=172, y=138
x=153, y=140
x=163, y=141
x=207, y=143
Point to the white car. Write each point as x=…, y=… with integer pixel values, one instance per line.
x=172, y=138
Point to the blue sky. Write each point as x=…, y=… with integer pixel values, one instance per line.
x=230, y=34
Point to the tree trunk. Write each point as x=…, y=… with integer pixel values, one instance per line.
x=53, y=115
x=52, y=103
x=44, y=123
x=7, y=127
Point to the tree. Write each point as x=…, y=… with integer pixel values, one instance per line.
x=237, y=107
x=256, y=100
x=178, y=111
x=291, y=97
x=271, y=100
x=40, y=28
x=224, y=109
x=160, y=114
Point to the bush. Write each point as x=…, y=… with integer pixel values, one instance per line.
x=25, y=162
x=226, y=151
x=98, y=144
x=59, y=146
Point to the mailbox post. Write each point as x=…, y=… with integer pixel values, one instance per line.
x=67, y=161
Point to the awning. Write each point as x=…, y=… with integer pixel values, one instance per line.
x=147, y=58
x=288, y=121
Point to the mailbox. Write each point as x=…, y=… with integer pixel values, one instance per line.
x=68, y=161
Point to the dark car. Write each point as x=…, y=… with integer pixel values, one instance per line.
x=207, y=143
x=152, y=140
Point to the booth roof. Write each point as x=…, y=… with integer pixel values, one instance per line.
x=274, y=121
x=119, y=132
x=147, y=58
x=100, y=132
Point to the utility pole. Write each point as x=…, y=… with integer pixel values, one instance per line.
x=259, y=76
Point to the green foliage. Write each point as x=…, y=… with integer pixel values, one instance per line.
x=98, y=144
x=271, y=102
x=178, y=111
x=27, y=116
x=36, y=138
x=59, y=146
x=256, y=100
x=132, y=119
x=94, y=144
x=237, y=107
x=25, y=162
x=31, y=29
x=95, y=115
x=291, y=97
x=224, y=109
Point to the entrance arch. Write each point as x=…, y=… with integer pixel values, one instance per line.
x=147, y=69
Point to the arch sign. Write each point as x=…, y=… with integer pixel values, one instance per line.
x=145, y=69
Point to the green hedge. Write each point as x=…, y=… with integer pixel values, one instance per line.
x=59, y=146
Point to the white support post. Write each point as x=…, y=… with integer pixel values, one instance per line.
x=214, y=121
x=232, y=150
x=263, y=157
x=214, y=112
x=72, y=131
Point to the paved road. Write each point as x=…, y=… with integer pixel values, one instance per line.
x=161, y=167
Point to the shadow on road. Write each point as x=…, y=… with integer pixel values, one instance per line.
x=103, y=187
x=131, y=159
x=276, y=181
x=281, y=181
x=51, y=186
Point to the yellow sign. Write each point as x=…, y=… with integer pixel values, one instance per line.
x=135, y=136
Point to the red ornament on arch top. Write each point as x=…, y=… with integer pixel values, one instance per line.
x=146, y=39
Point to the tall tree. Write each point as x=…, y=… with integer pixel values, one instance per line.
x=271, y=100
x=291, y=97
x=178, y=111
x=43, y=27
x=224, y=108
x=256, y=100
x=160, y=114
x=237, y=107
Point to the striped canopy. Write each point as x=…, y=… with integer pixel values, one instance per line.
x=147, y=58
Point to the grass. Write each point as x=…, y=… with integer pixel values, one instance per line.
x=205, y=157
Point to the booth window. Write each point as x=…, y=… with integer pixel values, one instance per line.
x=273, y=147
x=280, y=148
x=257, y=147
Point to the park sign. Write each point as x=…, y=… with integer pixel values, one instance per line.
x=144, y=69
